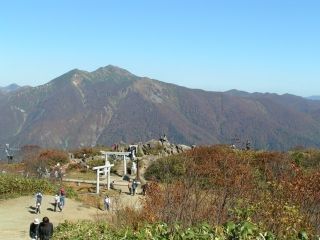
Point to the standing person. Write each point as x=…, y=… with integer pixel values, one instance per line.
x=134, y=187
x=45, y=229
x=57, y=203
x=39, y=197
x=34, y=229
x=130, y=187
x=144, y=189
x=107, y=203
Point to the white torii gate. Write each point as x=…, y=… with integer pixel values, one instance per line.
x=106, y=170
x=124, y=154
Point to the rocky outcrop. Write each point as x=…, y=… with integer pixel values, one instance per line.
x=160, y=147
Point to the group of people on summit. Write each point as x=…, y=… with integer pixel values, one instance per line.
x=44, y=230
x=59, y=201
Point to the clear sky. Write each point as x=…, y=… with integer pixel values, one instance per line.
x=257, y=45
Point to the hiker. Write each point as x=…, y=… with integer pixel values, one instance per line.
x=34, y=229
x=248, y=145
x=144, y=189
x=38, y=206
x=134, y=187
x=56, y=174
x=130, y=187
x=45, y=229
x=57, y=203
x=112, y=185
x=39, y=197
x=163, y=139
x=62, y=194
x=107, y=203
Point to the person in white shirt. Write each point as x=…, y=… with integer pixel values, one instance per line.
x=57, y=203
x=107, y=203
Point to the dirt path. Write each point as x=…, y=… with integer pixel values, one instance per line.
x=17, y=214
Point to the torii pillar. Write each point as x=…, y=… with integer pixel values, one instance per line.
x=124, y=154
x=106, y=170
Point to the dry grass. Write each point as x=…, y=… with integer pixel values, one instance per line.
x=76, y=174
x=86, y=194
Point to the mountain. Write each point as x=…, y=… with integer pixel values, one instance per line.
x=314, y=97
x=110, y=105
x=10, y=88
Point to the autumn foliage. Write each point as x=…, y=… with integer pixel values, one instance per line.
x=35, y=157
x=219, y=184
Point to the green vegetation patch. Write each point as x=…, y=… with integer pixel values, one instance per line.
x=166, y=169
x=15, y=185
x=101, y=230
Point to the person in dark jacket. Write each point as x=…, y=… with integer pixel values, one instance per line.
x=45, y=229
x=34, y=229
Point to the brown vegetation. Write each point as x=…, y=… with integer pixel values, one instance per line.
x=34, y=158
x=218, y=184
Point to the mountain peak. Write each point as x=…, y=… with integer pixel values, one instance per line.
x=113, y=69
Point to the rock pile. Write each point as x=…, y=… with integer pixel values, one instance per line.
x=160, y=147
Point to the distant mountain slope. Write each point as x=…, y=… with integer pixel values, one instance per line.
x=9, y=88
x=110, y=105
x=314, y=97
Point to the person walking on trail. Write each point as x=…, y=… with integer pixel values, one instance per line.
x=62, y=194
x=57, y=203
x=45, y=229
x=130, y=187
x=107, y=203
x=38, y=208
x=34, y=229
x=38, y=197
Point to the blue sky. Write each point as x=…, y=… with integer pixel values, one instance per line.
x=258, y=45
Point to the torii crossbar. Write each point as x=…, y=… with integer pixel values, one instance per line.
x=106, y=170
x=124, y=154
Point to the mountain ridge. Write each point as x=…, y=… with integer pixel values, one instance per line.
x=110, y=104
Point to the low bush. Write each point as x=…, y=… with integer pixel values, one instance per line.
x=15, y=185
x=246, y=230
x=96, y=162
x=87, y=152
x=206, y=183
x=166, y=169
